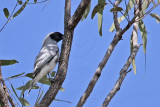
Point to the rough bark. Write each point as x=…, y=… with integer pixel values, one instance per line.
x=70, y=24
x=3, y=96
x=122, y=76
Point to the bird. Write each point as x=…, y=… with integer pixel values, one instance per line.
x=47, y=58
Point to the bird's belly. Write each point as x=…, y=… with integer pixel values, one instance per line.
x=52, y=64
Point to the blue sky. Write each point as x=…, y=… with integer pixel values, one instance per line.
x=22, y=38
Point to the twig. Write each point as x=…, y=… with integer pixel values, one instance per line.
x=3, y=96
x=116, y=5
x=127, y=10
x=123, y=74
x=9, y=17
x=38, y=2
x=148, y=12
x=78, y=14
x=97, y=74
x=69, y=25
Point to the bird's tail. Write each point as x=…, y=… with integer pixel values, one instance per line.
x=33, y=82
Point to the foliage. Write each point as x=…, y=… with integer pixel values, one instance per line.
x=125, y=12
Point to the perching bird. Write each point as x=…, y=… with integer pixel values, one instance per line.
x=47, y=58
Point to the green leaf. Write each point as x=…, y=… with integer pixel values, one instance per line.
x=153, y=2
x=116, y=9
x=144, y=6
x=134, y=66
x=6, y=12
x=8, y=62
x=62, y=89
x=62, y=101
x=39, y=98
x=26, y=86
x=15, y=76
x=24, y=102
x=86, y=11
x=133, y=61
x=14, y=91
x=100, y=20
x=45, y=80
x=53, y=74
x=100, y=17
x=143, y=34
x=120, y=19
x=156, y=16
x=30, y=75
x=35, y=1
x=21, y=9
x=22, y=87
x=20, y=2
x=97, y=8
x=130, y=5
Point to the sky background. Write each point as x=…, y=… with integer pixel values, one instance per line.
x=22, y=38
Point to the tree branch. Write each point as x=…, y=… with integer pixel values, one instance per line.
x=123, y=74
x=97, y=74
x=3, y=96
x=69, y=25
x=116, y=23
x=78, y=14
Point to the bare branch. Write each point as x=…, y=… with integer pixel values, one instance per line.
x=97, y=74
x=123, y=74
x=3, y=96
x=69, y=25
x=39, y=2
x=117, y=26
x=78, y=14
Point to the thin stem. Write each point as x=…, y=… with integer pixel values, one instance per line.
x=9, y=17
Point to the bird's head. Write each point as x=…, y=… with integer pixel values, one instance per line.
x=57, y=36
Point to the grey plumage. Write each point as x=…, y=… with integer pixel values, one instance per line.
x=47, y=58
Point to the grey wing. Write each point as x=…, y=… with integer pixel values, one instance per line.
x=44, y=57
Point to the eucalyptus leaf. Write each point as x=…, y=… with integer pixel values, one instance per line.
x=120, y=19
x=86, y=11
x=156, y=16
x=100, y=17
x=133, y=61
x=144, y=6
x=39, y=98
x=24, y=102
x=15, y=76
x=53, y=73
x=14, y=91
x=134, y=66
x=35, y=1
x=30, y=75
x=62, y=100
x=22, y=87
x=62, y=89
x=21, y=9
x=20, y=2
x=143, y=31
x=130, y=5
x=45, y=80
x=6, y=12
x=7, y=62
x=97, y=8
x=116, y=9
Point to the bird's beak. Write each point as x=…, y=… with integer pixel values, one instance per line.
x=63, y=37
